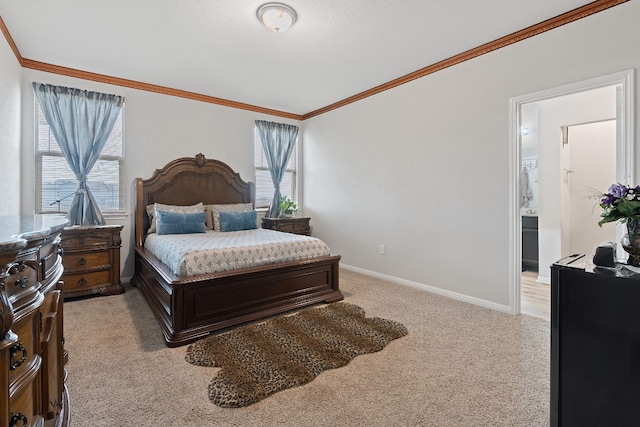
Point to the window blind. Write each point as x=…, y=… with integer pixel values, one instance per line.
x=264, y=184
x=56, y=183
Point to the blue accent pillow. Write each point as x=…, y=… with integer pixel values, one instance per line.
x=235, y=221
x=180, y=223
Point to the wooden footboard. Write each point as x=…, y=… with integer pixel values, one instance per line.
x=190, y=308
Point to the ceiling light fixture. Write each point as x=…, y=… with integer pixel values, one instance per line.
x=276, y=16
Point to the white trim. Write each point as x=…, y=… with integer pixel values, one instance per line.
x=625, y=157
x=113, y=216
x=431, y=289
x=515, y=223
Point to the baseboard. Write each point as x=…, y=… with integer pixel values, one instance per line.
x=125, y=280
x=443, y=292
x=543, y=279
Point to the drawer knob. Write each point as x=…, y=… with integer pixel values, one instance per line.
x=16, y=418
x=18, y=348
x=81, y=282
x=23, y=282
x=81, y=261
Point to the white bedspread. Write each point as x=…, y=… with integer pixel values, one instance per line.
x=214, y=251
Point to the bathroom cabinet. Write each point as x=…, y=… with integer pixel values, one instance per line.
x=530, y=243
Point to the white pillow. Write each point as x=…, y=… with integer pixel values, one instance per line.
x=152, y=209
x=233, y=207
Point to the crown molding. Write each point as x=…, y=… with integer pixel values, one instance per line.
x=12, y=44
x=117, y=81
x=534, y=30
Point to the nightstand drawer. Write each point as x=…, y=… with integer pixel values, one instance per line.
x=75, y=282
x=74, y=262
x=294, y=227
x=86, y=241
x=297, y=225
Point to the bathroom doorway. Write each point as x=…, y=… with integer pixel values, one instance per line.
x=555, y=110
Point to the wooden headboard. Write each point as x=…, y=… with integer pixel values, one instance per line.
x=187, y=181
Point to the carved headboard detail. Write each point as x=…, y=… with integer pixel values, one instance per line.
x=187, y=181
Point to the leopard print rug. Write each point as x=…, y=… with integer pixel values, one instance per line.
x=284, y=352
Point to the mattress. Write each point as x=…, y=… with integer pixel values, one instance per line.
x=214, y=251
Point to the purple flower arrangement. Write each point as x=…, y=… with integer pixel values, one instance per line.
x=620, y=203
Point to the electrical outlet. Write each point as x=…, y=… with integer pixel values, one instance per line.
x=381, y=249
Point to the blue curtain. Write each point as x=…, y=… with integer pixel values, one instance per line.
x=278, y=140
x=81, y=122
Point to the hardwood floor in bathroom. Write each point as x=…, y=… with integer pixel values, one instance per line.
x=535, y=299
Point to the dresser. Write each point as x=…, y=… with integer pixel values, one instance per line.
x=32, y=388
x=595, y=345
x=288, y=225
x=91, y=260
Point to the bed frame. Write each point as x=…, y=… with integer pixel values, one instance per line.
x=190, y=308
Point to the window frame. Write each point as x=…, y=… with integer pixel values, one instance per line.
x=40, y=155
x=293, y=161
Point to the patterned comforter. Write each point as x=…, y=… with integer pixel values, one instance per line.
x=214, y=251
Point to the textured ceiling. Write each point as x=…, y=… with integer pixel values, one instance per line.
x=336, y=49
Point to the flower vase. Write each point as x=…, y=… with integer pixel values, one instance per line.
x=631, y=242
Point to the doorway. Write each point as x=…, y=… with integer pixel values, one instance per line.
x=550, y=163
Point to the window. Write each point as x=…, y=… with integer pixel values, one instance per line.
x=56, y=184
x=264, y=185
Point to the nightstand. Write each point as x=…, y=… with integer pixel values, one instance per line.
x=91, y=260
x=288, y=225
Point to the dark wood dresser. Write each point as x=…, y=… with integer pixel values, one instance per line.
x=288, y=225
x=32, y=388
x=91, y=260
x=595, y=345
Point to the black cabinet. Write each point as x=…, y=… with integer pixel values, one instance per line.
x=530, y=243
x=595, y=345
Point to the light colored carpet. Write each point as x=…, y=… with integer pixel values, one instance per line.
x=460, y=365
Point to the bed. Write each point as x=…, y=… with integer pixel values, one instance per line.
x=191, y=307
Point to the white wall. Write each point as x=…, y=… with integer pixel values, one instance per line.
x=424, y=168
x=9, y=130
x=585, y=107
x=158, y=129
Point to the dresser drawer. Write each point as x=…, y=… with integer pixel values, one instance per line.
x=50, y=257
x=22, y=410
x=22, y=282
x=73, y=262
x=73, y=282
x=24, y=352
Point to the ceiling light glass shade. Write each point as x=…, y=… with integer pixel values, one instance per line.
x=277, y=16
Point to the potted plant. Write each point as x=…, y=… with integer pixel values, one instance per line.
x=287, y=207
x=621, y=203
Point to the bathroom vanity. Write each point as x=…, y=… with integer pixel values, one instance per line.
x=530, y=242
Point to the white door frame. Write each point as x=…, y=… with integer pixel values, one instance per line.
x=625, y=156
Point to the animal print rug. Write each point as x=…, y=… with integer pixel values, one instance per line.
x=262, y=359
